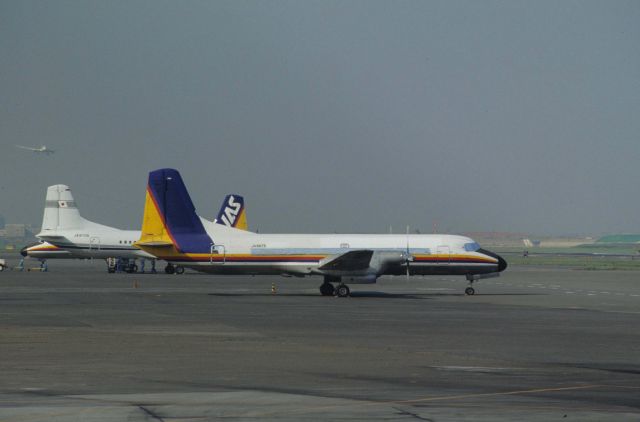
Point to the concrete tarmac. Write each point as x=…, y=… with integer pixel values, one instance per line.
x=77, y=343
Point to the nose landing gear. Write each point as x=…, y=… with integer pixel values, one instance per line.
x=470, y=291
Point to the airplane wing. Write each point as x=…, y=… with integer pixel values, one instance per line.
x=349, y=261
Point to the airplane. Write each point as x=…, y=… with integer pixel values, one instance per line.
x=43, y=149
x=66, y=234
x=172, y=231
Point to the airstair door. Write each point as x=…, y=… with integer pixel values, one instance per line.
x=94, y=244
x=444, y=255
x=218, y=254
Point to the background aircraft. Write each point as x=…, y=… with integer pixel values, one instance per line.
x=42, y=150
x=66, y=234
x=171, y=230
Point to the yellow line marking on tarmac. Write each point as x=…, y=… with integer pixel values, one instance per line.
x=504, y=393
x=438, y=398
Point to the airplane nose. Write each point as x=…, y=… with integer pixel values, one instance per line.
x=25, y=251
x=502, y=264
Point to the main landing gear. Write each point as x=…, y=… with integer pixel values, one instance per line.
x=343, y=290
x=327, y=288
x=173, y=269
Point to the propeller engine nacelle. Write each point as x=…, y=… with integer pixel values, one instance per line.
x=364, y=279
x=382, y=260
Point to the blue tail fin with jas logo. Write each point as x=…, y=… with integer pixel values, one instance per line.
x=232, y=213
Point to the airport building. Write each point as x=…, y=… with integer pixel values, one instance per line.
x=14, y=236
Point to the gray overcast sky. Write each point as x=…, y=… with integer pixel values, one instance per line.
x=329, y=115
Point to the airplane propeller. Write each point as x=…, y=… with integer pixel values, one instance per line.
x=408, y=257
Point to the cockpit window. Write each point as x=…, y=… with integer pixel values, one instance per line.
x=471, y=247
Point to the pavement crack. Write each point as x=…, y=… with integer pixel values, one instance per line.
x=154, y=415
x=404, y=412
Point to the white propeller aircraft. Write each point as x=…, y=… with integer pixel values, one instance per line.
x=66, y=234
x=42, y=150
x=172, y=231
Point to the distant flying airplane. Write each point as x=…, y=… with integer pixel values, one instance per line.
x=42, y=150
x=66, y=234
x=172, y=231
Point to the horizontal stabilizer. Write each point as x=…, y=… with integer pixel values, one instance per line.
x=52, y=238
x=155, y=244
x=348, y=261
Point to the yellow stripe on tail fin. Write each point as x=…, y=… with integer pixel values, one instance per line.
x=154, y=232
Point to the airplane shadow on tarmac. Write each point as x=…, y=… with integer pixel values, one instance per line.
x=372, y=295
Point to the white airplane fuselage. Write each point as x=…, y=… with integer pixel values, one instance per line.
x=234, y=252
x=172, y=231
x=64, y=229
x=95, y=242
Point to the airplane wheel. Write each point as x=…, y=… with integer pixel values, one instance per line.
x=327, y=289
x=134, y=268
x=179, y=269
x=343, y=290
x=469, y=291
x=169, y=269
x=111, y=270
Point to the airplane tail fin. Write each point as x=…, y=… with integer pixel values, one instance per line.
x=60, y=210
x=232, y=213
x=170, y=218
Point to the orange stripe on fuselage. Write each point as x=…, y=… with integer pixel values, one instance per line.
x=43, y=248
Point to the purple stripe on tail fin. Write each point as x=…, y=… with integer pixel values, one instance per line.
x=177, y=211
